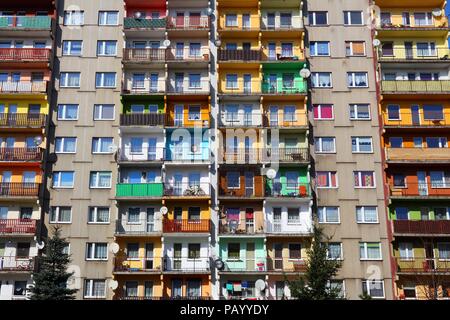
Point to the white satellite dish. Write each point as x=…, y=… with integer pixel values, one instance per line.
x=166, y=43
x=113, y=284
x=305, y=73
x=114, y=247
x=271, y=173
x=113, y=148
x=210, y=11
x=37, y=140
x=40, y=245
x=376, y=42
x=163, y=210
x=437, y=12
x=137, y=14
x=260, y=284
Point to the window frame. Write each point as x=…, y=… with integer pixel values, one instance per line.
x=57, y=214
x=366, y=258
x=97, y=173
x=324, y=215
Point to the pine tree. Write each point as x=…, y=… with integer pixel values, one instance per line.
x=315, y=285
x=50, y=279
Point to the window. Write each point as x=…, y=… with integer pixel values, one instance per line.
x=328, y=214
x=233, y=180
x=373, y=288
x=108, y=18
x=334, y=251
x=325, y=144
x=436, y=142
x=72, y=47
x=321, y=80
x=292, y=180
x=366, y=214
x=423, y=19
x=136, y=145
x=399, y=180
x=194, y=213
x=195, y=49
x=68, y=112
x=293, y=215
x=370, y=251
x=357, y=79
x=440, y=179
x=426, y=49
x=401, y=213
x=106, y=48
x=63, y=179
x=134, y=215
x=433, y=112
x=337, y=286
x=287, y=50
x=105, y=80
x=61, y=215
x=23, y=250
x=193, y=250
x=132, y=251
x=96, y=251
x=359, y=112
x=393, y=112
x=231, y=20
x=318, y=18
x=234, y=251
x=69, y=79
x=193, y=288
x=364, y=179
x=98, y=215
x=194, y=81
x=65, y=144
x=102, y=145
x=20, y=288
x=353, y=17
x=295, y=251
x=104, y=112
x=444, y=250
x=194, y=113
x=409, y=290
x=323, y=112
x=362, y=144
x=100, y=179
x=406, y=250
x=231, y=81
x=441, y=214
x=73, y=18
x=320, y=48
x=355, y=48
x=395, y=142
x=94, y=288
x=326, y=179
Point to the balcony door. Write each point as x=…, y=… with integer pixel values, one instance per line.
x=273, y=116
x=249, y=184
x=177, y=290
x=194, y=19
x=276, y=219
x=150, y=220
x=248, y=117
x=278, y=256
x=409, y=54
x=179, y=51
x=180, y=19
x=415, y=115
x=247, y=83
x=178, y=118
x=429, y=256
x=422, y=183
x=272, y=51
x=250, y=257
x=246, y=21
x=151, y=152
x=271, y=20
x=177, y=256
x=179, y=78
x=149, y=255
x=178, y=184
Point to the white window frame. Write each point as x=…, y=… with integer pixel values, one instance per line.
x=239, y=180
x=356, y=106
x=59, y=180
x=329, y=178
x=58, y=221
x=102, y=80
x=319, y=112
x=341, y=256
x=64, y=106
x=348, y=13
x=316, y=53
x=94, y=244
x=65, y=85
x=325, y=209
x=353, y=83
x=363, y=210
x=313, y=23
x=102, y=53
x=365, y=258
x=409, y=250
x=357, y=140
x=90, y=283
x=359, y=186
x=103, y=17
x=100, y=140
x=350, y=43
x=366, y=283
x=437, y=247
x=97, y=173
x=297, y=222
x=63, y=139
x=316, y=75
x=68, y=17
x=69, y=53
x=95, y=208
x=101, y=105
x=318, y=141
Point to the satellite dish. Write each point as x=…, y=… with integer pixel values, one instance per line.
x=137, y=14
x=163, y=210
x=113, y=148
x=376, y=42
x=210, y=11
x=437, y=12
x=113, y=284
x=166, y=43
x=305, y=73
x=260, y=284
x=219, y=264
x=114, y=247
x=271, y=173
x=37, y=140
x=40, y=245
x=218, y=43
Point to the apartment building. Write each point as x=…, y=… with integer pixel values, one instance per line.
x=26, y=45
x=413, y=71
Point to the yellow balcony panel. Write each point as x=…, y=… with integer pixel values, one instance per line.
x=417, y=32
x=418, y=155
x=237, y=4
x=387, y=53
x=410, y=3
x=415, y=87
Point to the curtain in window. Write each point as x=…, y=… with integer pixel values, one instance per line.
x=373, y=251
x=328, y=145
x=104, y=179
x=73, y=80
x=334, y=251
x=110, y=47
x=100, y=251
x=322, y=179
x=232, y=213
x=98, y=288
x=132, y=289
x=286, y=50
x=444, y=250
x=324, y=80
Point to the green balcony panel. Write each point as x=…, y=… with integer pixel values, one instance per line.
x=139, y=190
x=34, y=23
x=133, y=23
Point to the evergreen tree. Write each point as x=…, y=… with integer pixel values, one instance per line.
x=319, y=272
x=50, y=279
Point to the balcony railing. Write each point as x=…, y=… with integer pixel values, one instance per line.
x=239, y=55
x=284, y=87
x=422, y=119
x=143, y=119
x=416, y=86
x=188, y=87
x=185, y=225
x=188, y=54
x=415, y=155
x=186, y=189
x=254, y=189
x=294, y=23
x=287, y=190
x=240, y=87
x=284, y=57
x=443, y=23
x=240, y=226
x=238, y=264
x=184, y=154
x=188, y=23
x=24, y=54
x=421, y=226
x=138, y=227
x=433, y=189
x=422, y=265
x=23, y=87
x=286, y=264
x=20, y=154
x=19, y=189
x=298, y=228
x=139, y=190
x=415, y=54
x=144, y=55
x=142, y=153
x=189, y=119
x=286, y=154
x=142, y=23
x=22, y=120
x=286, y=119
x=240, y=119
x=137, y=264
x=182, y=264
x=241, y=155
x=151, y=87
x=163, y=298
x=17, y=226
x=17, y=264
x=26, y=22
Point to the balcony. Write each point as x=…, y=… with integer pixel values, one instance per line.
x=278, y=228
x=414, y=55
x=287, y=190
x=144, y=87
x=17, y=264
x=22, y=120
x=241, y=155
x=245, y=265
x=226, y=55
x=421, y=119
x=285, y=264
x=193, y=154
x=24, y=55
x=143, y=119
x=251, y=226
x=146, y=24
x=418, y=155
x=294, y=23
x=141, y=227
x=190, y=264
x=189, y=87
x=415, y=87
x=253, y=190
x=20, y=154
x=23, y=87
x=137, y=265
x=421, y=190
x=286, y=155
x=188, y=23
x=140, y=298
x=19, y=189
x=139, y=190
x=240, y=119
x=415, y=25
x=185, y=225
x=240, y=87
x=34, y=24
x=188, y=119
x=144, y=55
x=421, y=227
x=422, y=265
x=284, y=87
x=298, y=118
x=17, y=227
x=187, y=190
x=144, y=154
x=188, y=55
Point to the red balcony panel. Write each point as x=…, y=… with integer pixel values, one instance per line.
x=434, y=189
x=19, y=189
x=193, y=22
x=17, y=226
x=24, y=54
x=185, y=225
x=421, y=227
